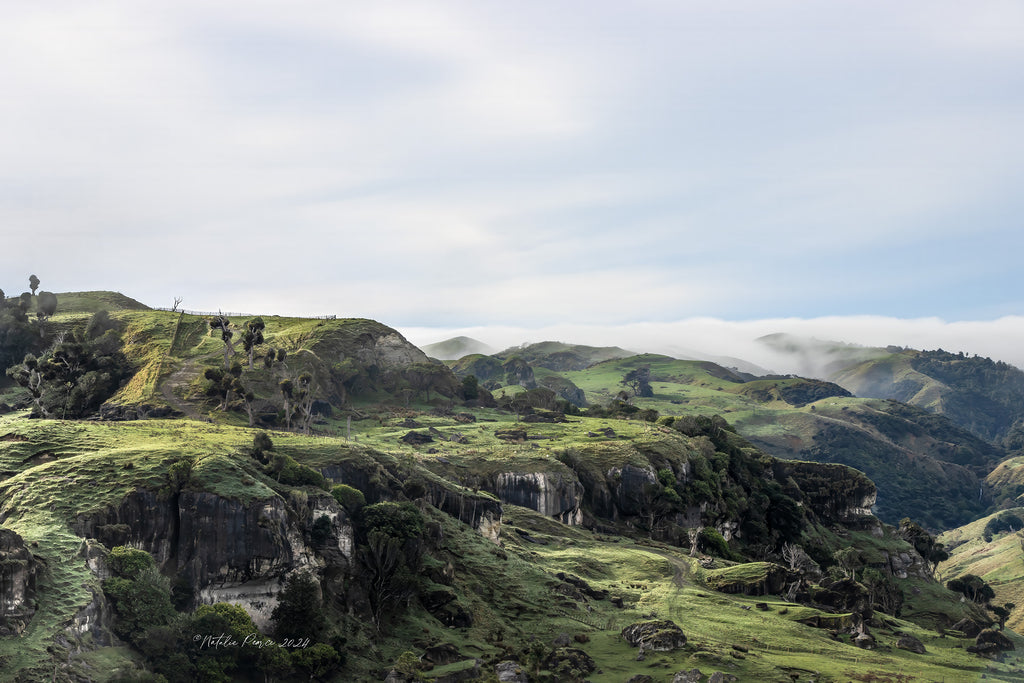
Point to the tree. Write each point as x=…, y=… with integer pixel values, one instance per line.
x=74, y=376
x=27, y=375
x=177, y=302
x=1002, y=613
x=299, y=613
x=261, y=445
x=235, y=624
x=797, y=557
x=423, y=377
x=222, y=384
x=317, y=660
x=348, y=497
x=287, y=388
x=391, y=554
x=140, y=594
x=17, y=336
x=848, y=559
x=639, y=380
x=973, y=587
x=884, y=592
x=248, y=399
x=221, y=322
x=470, y=388
x=304, y=396
x=33, y=283
x=253, y=337
x=46, y=305
x=99, y=324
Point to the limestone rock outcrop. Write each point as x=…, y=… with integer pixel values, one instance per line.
x=18, y=573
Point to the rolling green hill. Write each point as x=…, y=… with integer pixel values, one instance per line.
x=984, y=396
x=994, y=552
x=925, y=467
x=442, y=536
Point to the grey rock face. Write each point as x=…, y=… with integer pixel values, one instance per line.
x=659, y=635
x=18, y=571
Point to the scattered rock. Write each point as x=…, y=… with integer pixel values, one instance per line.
x=517, y=435
x=968, y=627
x=442, y=654
x=510, y=672
x=584, y=587
x=865, y=641
x=562, y=640
x=530, y=539
x=846, y=595
x=409, y=423
x=581, y=638
x=468, y=674
x=659, y=635
x=911, y=644
x=567, y=663
x=465, y=418
x=453, y=615
x=991, y=641
x=691, y=676
x=416, y=438
x=641, y=678
x=18, y=573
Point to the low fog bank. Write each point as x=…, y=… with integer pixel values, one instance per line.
x=736, y=344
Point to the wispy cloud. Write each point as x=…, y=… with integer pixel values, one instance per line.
x=714, y=338
x=460, y=163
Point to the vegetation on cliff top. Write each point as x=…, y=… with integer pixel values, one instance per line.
x=669, y=501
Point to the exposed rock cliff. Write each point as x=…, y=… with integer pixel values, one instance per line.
x=553, y=494
x=18, y=574
x=834, y=493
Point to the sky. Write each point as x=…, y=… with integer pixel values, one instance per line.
x=626, y=171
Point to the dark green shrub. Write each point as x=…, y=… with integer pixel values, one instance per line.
x=128, y=562
x=299, y=613
x=352, y=499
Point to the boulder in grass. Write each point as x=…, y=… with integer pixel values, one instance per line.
x=661, y=635
x=510, y=672
x=990, y=643
x=416, y=438
x=569, y=663
x=691, y=676
x=910, y=644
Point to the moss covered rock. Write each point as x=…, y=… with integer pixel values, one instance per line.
x=661, y=635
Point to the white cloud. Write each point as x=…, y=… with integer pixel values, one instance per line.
x=710, y=337
x=460, y=161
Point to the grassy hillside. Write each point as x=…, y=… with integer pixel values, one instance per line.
x=925, y=467
x=997, y=557
x=57, y=471
x=979, y=394
x=534, y=524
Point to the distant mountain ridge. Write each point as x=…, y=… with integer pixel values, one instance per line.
x=982, y=395
x=457, y=347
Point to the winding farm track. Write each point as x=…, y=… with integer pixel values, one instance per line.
x=188, y=371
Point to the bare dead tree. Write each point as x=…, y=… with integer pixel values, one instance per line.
x=177, y=302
